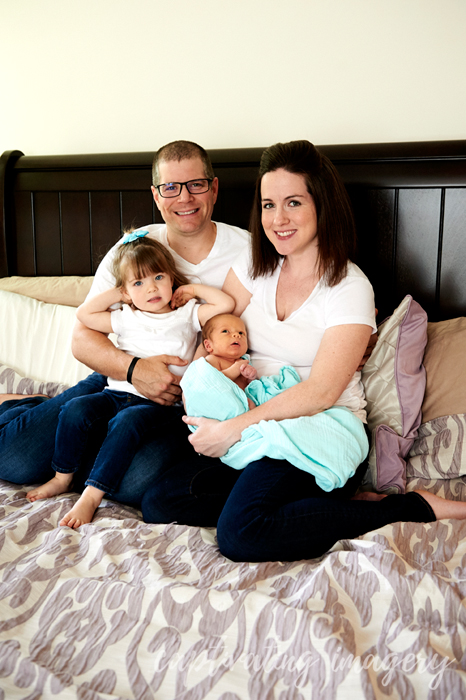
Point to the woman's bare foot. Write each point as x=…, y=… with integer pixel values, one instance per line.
x=59, y=484
x=369, y=496
x=12, y=397
x=83, y=510
x=443, y=508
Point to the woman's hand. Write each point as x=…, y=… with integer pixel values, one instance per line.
x=212, y=438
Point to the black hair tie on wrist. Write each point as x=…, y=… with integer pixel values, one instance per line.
x=129, y=374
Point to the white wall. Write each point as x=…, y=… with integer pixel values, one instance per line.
x=81, y=76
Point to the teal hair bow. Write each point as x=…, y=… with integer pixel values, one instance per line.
x=134, y=236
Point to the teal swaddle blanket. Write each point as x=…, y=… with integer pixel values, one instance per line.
x=329, y=445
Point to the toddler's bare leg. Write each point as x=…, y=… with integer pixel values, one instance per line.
x=59, y=484
x=83, y=510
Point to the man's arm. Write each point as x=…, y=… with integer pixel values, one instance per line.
x=151, y=376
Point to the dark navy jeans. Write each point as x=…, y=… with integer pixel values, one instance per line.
x=124, y=420
x=27, y=443
x=272, y=511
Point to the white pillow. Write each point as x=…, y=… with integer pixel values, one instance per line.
x=35, y=339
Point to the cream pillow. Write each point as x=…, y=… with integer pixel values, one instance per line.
x=35, y=339
x=445, y=363
x=70, y=291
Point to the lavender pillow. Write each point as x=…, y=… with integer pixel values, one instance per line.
x=394, y=381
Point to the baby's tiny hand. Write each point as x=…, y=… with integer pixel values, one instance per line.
x=248, y=371
x=181, y=296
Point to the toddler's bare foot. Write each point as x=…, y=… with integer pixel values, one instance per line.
x=83, y=510
x=369, y=496
x=59, y=484
x=443, y=508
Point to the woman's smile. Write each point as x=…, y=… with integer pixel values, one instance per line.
x=285, y=234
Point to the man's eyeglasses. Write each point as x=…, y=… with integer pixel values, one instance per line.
x=173, y=189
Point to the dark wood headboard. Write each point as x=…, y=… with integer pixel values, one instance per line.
x=60, y=214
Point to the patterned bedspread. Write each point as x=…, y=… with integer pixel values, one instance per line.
x=121, y=609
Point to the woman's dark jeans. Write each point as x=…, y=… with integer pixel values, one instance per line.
x=277, y=512
x=271, y=511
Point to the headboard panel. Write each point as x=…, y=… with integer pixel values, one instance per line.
x=62, y=213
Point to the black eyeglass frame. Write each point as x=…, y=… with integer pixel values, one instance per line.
x=209, y=181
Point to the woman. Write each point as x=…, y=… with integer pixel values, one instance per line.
x=306, y=304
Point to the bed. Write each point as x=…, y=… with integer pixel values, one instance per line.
x=124, y=609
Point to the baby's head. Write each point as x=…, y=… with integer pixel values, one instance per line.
x=142, y=258
x=225, y=336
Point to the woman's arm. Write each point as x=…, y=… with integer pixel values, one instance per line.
x=337, y=359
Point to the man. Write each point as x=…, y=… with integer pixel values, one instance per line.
x=185, y=191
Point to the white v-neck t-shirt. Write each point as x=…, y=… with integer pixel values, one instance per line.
x=296, y=340
x=229, y=242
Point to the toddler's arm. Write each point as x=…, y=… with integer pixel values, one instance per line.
x=94, y=312
x=216, y=301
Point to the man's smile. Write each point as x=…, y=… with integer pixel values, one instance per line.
x=186, y=213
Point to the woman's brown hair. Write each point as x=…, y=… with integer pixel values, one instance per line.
x=336, y=231
x=143, y=257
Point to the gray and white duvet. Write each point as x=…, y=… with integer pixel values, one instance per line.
x=122, y=609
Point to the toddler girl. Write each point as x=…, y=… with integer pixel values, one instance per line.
x=149, y=323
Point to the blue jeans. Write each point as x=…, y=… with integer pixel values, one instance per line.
x=125, y=418
x=27, y=443
x=271, y=511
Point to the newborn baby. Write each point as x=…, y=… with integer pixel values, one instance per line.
x=225, y=339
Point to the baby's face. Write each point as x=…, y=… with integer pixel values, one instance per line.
x=228, y=338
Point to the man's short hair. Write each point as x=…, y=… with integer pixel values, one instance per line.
x=180, y=150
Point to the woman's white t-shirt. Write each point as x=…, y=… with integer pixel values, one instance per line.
x=296, y=340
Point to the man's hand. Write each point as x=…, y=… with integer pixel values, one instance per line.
x=153, y=379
